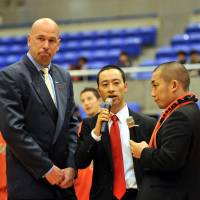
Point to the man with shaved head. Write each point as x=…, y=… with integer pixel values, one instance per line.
x=171, y=160
x=37, y=120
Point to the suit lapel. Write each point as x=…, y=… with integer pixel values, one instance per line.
x=61, y=98
x=135, y=131
x=41, y=89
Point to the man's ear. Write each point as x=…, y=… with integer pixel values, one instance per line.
x=174, y=85
x=126, y=86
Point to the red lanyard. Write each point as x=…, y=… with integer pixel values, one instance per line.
x=181, y=101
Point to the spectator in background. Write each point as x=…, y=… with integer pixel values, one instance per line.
x=3, y=184
x=181, y=57
x=124, y=60
x=91, y=101
x=194, y=59
x=81, y=64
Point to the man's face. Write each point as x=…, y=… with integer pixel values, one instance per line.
x=161, y=90
x=43, y=43
x=111, y=85
x=90, y=103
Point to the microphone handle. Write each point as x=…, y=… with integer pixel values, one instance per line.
x=103, y=126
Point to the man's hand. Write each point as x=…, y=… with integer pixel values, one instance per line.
x=137, y=148
x=104, y=115
x=55, y=176
x=68, y=178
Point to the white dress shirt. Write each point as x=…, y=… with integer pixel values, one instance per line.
x=129, y=172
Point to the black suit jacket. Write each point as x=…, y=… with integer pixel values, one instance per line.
x=172, y=170
x=100, y=152
x=37, y=133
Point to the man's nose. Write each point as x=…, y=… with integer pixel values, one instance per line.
x=46, y=44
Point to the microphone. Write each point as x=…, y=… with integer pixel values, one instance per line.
x=108, y=105
x=131, y=124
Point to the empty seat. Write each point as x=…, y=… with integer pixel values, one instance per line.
x=166, y=51
x=193, y=28
x=178, y=40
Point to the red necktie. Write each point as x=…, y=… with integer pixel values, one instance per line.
x=119, y=185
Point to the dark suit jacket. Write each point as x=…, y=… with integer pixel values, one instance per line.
x=172, y=170
x=37, y=133
x=100, y=152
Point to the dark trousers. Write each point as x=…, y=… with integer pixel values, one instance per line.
x=130, y=194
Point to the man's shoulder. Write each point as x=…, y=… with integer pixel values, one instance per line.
x=90, y=120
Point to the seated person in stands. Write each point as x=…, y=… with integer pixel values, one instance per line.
x=181, y=57
x=124, y=60
x=81, y=64
x=194, y=57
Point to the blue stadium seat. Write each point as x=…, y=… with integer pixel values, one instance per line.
x=20, y=39
x=101, y=44
x=117, y=33
x=96, y=65
x=8, y=40
x=132, y=46
x=148, y=35
x=134, y=106
x=195, y=38
x=86, y=45
x=102, y=34
x=116, y=42
x=4, y=50
x=180, y=40
x=166, y=51
x=193, y=28
x=11, y=59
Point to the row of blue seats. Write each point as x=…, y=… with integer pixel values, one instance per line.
x=186, y=42
x=95, y=56
x=186, y=39
x=172, y=51
x=133, y=44
x=146, y=34
x=193, y=28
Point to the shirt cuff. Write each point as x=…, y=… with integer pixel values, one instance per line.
x=95, y=137
x=47, y=173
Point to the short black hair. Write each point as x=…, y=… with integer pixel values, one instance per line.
x=91, y=89
x=194, y=52
x=107, y=67
x=182, y=53
x=124, y=53
x=84, y=59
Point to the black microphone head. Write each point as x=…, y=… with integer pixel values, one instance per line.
x=108, y=105
x=130, y=122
